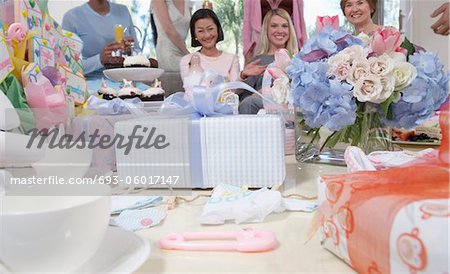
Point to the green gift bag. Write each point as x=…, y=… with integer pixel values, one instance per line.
x=14, y=91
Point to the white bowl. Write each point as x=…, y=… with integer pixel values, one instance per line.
x=52, y=233
x=133, y=74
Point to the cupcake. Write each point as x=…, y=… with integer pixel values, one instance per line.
x=154, y=93
x=117, y=64
x=136, y=61
x=107, y=93
x=128, y=90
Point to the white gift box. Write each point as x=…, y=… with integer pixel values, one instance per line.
x=205, y=152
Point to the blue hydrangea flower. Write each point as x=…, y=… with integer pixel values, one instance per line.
x=417, y=104
x=429, y=67
x=328, y=103
x=425, y=94
x=327, y=43
x=303, y=74
x=295, y=70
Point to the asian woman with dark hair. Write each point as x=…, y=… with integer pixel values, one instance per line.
x=206, y=32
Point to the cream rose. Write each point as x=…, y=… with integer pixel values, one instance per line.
x=370, y=89
x=355, y=52
x=360, y=68
x=381, y=65
x=404, y=73
x=398, y=57
x=388, y=83
x=339, y=66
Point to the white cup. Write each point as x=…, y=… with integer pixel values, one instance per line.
x=52, y=233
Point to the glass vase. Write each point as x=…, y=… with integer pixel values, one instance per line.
x=368, y=133
x=306, y=139
x=375, y=136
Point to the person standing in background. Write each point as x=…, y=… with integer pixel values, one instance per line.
x=94, y=23
x=254, y=12
x=172, y=24
x=441, y=26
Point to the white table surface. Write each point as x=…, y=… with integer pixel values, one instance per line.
x=290, y=228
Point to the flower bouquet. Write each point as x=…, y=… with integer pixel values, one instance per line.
x=356, y=86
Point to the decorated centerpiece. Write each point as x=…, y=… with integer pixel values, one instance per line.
x=357, y=86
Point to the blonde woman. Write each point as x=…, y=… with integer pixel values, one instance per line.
x=277, y=32
x=255, y=10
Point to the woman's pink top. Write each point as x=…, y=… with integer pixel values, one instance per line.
x=227, y=65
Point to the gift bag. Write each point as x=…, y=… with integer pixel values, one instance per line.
x=15, y=93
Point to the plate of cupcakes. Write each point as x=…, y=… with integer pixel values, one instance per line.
x=129, y=91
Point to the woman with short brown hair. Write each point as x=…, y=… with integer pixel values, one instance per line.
x=359, y=13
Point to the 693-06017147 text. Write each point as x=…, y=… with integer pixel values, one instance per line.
x=140, y=180
x=108, y=180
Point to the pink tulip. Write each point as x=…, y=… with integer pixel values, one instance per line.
x=282, y=59
x=323, y=21
x=386, y=40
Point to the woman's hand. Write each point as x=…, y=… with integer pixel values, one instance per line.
x=253, y=69
x=107, y=56
x=160, y=10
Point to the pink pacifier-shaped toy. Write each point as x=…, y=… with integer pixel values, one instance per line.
x=246, y=240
